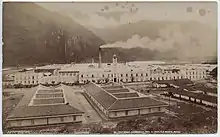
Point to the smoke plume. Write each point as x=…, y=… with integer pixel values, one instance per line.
x=194, y=43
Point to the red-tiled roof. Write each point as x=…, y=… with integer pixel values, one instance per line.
x=200, y=88
x=49, y=95
x=39, y=111
x=104, y=98
x=135, y=103
x=126, y=95
x=48, y=101
x=119, y=90
x=202, y=96
x=24, y=110
x=177, y=82
x=112, y=87
x=109, y=102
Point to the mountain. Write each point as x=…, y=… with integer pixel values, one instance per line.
x=149, y=28
x=173, y=40
x=34, y=35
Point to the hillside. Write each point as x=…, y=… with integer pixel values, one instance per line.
x=34, y=35
x=173, y=40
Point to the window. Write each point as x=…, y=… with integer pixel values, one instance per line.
x=146, y=74
x=103, y=75
x=141, y=74
x=61, y=119
x=158, y=108
x=126, y=75
x=126, y=112
x=32, y=82
x=74, y=118
x=32, y=77
x=131, y=74
x=121, y=75
x=136, y=74
x=32, y=121
x=19, y=122
x=149, y=110
x=115, y=113
x=92, y=76
x=112, y=75
x=81, y=76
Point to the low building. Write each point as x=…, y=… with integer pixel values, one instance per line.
x=118, y=101
x=200, y=98
x=44, y=106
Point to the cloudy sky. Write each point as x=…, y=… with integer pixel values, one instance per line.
x=113, y=14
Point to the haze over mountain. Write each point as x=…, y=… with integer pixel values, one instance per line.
x=32, y=34
x=181, y=40
x=175, y=33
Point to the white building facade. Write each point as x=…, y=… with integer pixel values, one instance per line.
x=115, y=72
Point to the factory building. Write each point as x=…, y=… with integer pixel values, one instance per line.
x=114, y=72
x=117, y=101
x=44, y=106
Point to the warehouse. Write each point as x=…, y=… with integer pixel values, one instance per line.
x=194, y=97
x=174, y=83
x=44, y=106
x=117, y=101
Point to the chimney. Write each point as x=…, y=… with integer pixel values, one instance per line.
x=100, y=58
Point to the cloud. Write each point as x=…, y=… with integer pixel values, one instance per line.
x=193, y=44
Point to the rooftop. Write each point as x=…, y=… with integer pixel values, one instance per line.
x=202, y=96
x=132, y=103
x=42, y=107
x=177, y=82
x=125, y=95
x=120, y=100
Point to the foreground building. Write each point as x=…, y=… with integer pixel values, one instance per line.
x=44, y=106
x=195, y=97
x=118, y=101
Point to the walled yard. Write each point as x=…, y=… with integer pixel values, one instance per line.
x=186, y=117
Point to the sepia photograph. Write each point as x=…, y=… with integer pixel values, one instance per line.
x=112, y=67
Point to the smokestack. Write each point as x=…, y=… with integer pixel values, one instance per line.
x=100, y=58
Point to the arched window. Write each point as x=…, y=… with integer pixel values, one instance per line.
x=121, y=75
x=92, y=76
x=81, y=76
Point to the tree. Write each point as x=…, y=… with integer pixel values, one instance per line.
x=106, y=80
x=214, y=72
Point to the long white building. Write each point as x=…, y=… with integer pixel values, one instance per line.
x=115, y=72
